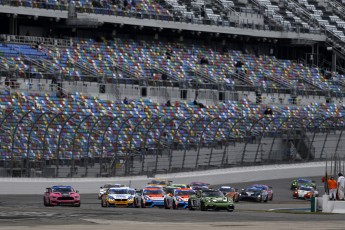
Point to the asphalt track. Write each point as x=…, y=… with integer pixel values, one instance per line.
x=28, y=212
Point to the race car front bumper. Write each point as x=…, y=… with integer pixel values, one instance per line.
x=153, y=203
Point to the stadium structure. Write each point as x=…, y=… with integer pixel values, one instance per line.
x=132, y=87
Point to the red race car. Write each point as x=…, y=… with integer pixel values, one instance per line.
x=61, y=195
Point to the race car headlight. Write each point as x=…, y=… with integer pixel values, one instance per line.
x=76, y=197
x=208, y=200
x=146, y=197
x=54, y=197
x=130, y=198
x=110, y=198
x=179, y=198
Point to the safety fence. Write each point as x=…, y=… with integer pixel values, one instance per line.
x=85, y=143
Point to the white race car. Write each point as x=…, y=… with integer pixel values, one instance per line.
x=104, y=188
x=123, y=196
x=305, y=192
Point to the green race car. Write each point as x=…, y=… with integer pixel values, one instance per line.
x=210, y=199
x=302, y=182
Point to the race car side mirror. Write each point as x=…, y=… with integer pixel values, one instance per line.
x=101, y=187
x=77, y=191
x=270, y=187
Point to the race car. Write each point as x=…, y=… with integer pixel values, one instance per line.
x=305, y=192
x=153, y=196
x=254, y=193
x=122, y=196
x=61, y=195
x=199, y=185
x=180, y=185
x=302, y=182
x=177, y=197
x=104, y=188
x=267, y=188
x=210, y=199
x=230, y=192
x=161, y=182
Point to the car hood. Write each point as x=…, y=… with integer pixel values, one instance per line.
x=120, y=196
x=216, y=199
x=63, y=194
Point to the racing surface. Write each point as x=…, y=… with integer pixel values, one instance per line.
x=25, y=211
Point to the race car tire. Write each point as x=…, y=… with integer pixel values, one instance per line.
x=271, y=198
x=266, y=199
x=142, y=204
x=174, y=205
x=229, y=209
x=104, y=203
x=237, y=199
x=202, y=206
x=166, y=205
x=190, y=207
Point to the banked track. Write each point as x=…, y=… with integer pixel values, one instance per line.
x=22, y=211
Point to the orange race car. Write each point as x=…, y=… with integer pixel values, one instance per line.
x=230, y=192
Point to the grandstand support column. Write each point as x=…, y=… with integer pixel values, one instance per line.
x=265, y=128
x=256, y=121
x=102, y=143
x=161, y=134
x=13, y=24
x=319, y=125
x=189, y=135
x=336, y=147
x=73, y=145
x=279, y=128
x=334, y=61
x=46, y=131
x=145, y=141
x=29, y=141
x=13, y=141
x=127, y=170
x=2, y=122
x=58, y=144
x=172, y=142
x=88, y=142
x=213, y=140
x=117, y=139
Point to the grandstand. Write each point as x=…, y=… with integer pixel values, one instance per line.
x=250, y=82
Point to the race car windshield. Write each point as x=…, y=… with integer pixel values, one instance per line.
x=226, y=189
x=213, y=194
x=303, y=181
x=306, y=189
x=119, y=191
x=159, y=182
x=184, y=192
x=111, y=186
x=62, y=190
x=198, y=184
x=158, y=191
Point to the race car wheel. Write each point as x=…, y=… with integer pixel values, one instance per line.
x=104, y=203
x=190, y=207
x=230, y=209
x=45, y=202
x=271, y=198
x=266, y=199
x=142, y=204
x=174, y=205
x=202, y=206
x=166, y=205
x=138, y=203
